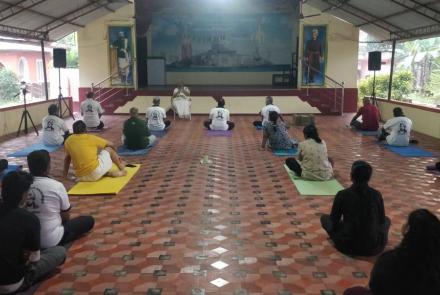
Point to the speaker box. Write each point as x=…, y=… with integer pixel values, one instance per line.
x=374, y=60
x=59, y=58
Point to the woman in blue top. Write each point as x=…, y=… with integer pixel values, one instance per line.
x=276, y=133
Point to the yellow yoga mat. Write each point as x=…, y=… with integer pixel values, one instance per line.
x=106, y=185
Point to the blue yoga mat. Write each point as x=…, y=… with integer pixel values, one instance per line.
x=259, y=127
x=123, y=151
x=218, y=133
x=11, y=167
x=409, y=151
x=36, y=146
x=284, y=153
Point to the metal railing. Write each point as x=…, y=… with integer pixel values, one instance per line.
x=339, y=89
x=97, y=88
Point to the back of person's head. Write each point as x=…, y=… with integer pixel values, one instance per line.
x=90, y=94
x=14, y=187
x=398, y=112
x=361, y=172
x=156, y=101
x=39, y=162
x=79, y=127
x=52, y=110
x=310, y=131
x=134, y=112
x=366, y=100
x=269, y=100
x=221, y=102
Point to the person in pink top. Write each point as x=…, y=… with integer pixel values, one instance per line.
x=370, y=117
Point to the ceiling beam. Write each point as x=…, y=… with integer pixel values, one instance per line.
x=19, y=8
x=415, y=8
x=426, y=5
x=364, y=15
x=41, y=13
x=22, y=33
x=421, y=32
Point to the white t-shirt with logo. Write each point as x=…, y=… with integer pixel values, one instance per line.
x=155, y=116
x=268, y=108
x=53, y=130
x=220, y=118
x=91, y=109
x=400, y=131
x=47, y=198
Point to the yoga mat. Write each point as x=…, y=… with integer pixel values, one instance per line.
x=123, y=151
x=106, y=185
x=218, y=133
x=11, y=167
x=368, y=133
x=314, y=188
x=36, y=146
x=259, y=127
x=409, y=151
x=284, y=153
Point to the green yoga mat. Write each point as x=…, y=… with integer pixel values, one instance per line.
x=314, y=188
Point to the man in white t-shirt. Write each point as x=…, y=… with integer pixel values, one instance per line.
x=156, y=115
x=49, y=201
x=92, y=111
x=55, y=130
x=219, y=117
x=397, y=130
x=269, y=107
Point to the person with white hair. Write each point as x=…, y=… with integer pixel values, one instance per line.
x=370, y=117
x=269, y=107
x=156, y=115
x=181, y=101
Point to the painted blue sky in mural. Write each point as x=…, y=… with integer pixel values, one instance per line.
x=223, y=41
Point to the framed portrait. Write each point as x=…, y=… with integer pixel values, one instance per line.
x=120, y=44
x=314, y=55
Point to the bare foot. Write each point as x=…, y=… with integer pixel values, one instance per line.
x=118, y=173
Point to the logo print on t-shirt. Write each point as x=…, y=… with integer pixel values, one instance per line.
x=219, y=115
x=402, y=129
x=33, y=195
x=49, y=126
x=155, y=115
x=89, y=108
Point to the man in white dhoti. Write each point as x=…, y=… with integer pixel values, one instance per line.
x=124, y=56
x=181, y=101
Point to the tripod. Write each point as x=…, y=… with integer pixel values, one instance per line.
x=61, y=99
x=373, y=96
x=25, y=115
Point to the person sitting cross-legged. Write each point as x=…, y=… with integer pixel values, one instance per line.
x=219, y=118
x=269, y=107
x=275, y=134
x=136, y=135
x=397, y=131
x=22, y=262
x=181, y=101
x=55, y=130
x=156, y=115
x=370, y=117
x=357, y=223
x=92, y=156
x=49, y=201
x=92, y=111
x=313, y=162
x=412, y=268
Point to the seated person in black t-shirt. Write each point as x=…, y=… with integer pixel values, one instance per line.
x=412, y=268
x=357, y=223
x=21, y=261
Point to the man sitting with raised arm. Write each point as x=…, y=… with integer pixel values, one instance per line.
x=181, y=101
x=22, y=264
x=92, y=156
x=92, y=111
x=370, y=117
x=49, y=201
x=269, y=107
x=156, y=115
x=55, y=130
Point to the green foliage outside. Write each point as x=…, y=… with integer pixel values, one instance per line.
x=402, y=85
x=72, y=50
x=9, y=86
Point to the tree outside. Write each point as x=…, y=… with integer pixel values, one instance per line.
x=9, y=87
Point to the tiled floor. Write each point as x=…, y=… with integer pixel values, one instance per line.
x=236, y=226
